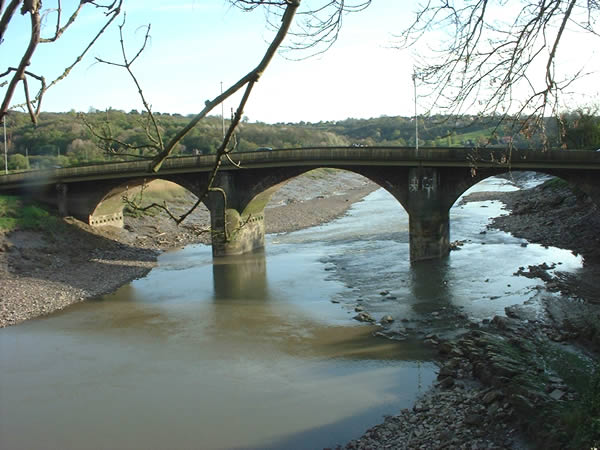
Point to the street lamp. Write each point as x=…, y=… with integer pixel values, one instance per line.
x=414, y=78
x=5, y=147
x=222, y=113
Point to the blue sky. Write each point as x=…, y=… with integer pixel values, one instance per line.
x=197, y=44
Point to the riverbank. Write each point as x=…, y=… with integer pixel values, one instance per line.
x=527, y=379
x=45, y=271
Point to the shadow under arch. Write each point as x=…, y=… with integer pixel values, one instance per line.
x=579, y=183
x=105, y=206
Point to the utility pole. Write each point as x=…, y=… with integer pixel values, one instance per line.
x=5, y=147
x=222, y=113
x=414, y=78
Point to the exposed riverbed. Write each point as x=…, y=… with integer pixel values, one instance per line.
x=261, y=351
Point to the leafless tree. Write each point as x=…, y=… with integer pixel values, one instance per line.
x=499, y=58
x=19, y=72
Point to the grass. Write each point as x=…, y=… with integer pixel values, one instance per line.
x=581, y=419
x=15, y=214
x=556, y=184
x=566, y=424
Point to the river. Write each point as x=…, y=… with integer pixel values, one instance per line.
x=260, y=351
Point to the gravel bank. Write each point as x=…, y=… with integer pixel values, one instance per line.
x=44, y=272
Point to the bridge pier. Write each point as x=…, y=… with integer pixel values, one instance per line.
x=429, y=215
x=62, y=200
x=236, y=229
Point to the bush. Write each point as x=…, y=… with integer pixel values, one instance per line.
x=15, y=215
x=18, y=162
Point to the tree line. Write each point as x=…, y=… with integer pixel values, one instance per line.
x=64, y=139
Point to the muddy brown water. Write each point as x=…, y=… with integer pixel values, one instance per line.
x=259, y=351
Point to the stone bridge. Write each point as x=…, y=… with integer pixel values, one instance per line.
x=426, y=182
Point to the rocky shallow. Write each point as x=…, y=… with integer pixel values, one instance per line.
x=522, y=380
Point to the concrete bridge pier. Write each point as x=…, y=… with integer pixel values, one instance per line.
x=237, y=226
x=429, y=215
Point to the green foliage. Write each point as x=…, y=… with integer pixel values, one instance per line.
x=581, y=129
x=130, y=211
x=9, y=207
x=434, y=131
x=18, y=162
x=14, y=214
x=63, y=139
x=581, y=419
x=160, y=192
x=555, y=184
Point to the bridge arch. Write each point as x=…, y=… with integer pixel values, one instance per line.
x=557, y=213
x=577, y=181
x=240, y=211
x=103, y=205
x=257, y=190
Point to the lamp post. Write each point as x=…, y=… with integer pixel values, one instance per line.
x=222, y=113
x=5, y=148
x=414, y=78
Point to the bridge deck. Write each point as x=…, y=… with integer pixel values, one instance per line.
x=320, y=157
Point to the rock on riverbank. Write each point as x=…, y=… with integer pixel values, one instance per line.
x=524, y=380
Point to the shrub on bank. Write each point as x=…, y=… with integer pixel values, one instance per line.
x=14, y=214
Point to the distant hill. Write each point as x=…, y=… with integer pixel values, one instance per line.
x=62, y=139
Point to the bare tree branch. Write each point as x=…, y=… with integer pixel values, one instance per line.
x=155, y=139
x=33, y=8
x=34, y=13
x=251, y=77
x=317, y=27
x=7, y=16
x=491, y=67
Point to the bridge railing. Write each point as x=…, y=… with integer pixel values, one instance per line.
x=321, y=156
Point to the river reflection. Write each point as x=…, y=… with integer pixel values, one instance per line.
x=240, y=277
x=266, y=317
x=429, y=285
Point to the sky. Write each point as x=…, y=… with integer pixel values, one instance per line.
x=197, y=45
